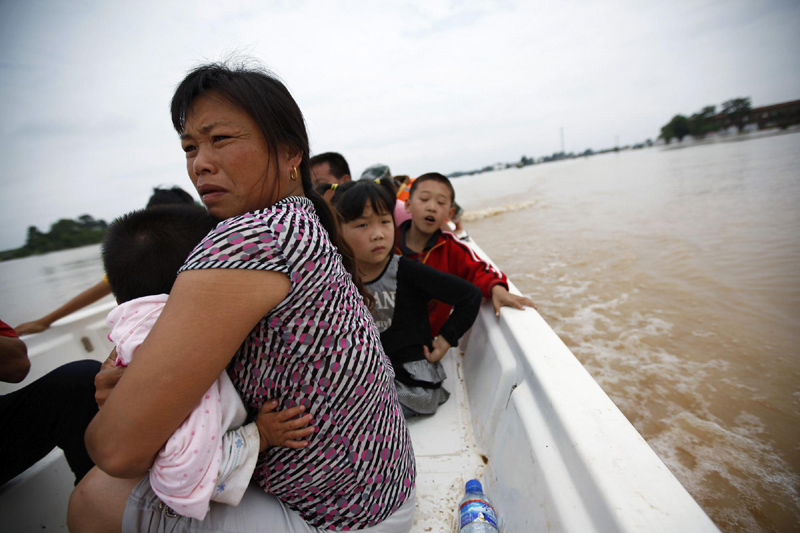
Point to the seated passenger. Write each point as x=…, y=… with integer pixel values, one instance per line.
x=329, y=170
x=52, y=411
x=402, y=289
x=211, y=456
x=430, y=204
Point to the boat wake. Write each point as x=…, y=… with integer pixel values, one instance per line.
x=488, y=212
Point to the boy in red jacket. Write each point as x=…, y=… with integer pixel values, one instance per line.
x=430, y=203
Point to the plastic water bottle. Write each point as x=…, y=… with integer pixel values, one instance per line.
x=476, y=512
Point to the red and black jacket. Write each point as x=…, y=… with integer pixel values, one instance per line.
x=446, y=253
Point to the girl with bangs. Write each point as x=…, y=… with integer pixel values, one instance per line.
x=402, y=290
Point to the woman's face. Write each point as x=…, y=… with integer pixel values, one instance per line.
x=228, y=159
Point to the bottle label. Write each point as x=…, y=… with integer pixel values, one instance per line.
x=477, y=511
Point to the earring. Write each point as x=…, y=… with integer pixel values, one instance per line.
x=293, y=174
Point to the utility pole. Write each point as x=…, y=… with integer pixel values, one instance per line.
x=563, y=151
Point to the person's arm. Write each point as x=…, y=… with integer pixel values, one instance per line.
x=466, y=264
x=87, y=297
x=208, y=315
x=492, y=281
x=14, y=362
x=464, y=296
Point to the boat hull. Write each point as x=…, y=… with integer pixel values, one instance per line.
x=551, y=449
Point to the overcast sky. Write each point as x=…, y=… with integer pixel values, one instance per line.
x=430, y=85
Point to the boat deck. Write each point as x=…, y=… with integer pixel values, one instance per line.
x=446, y=454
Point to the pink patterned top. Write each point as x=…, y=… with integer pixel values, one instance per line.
x=319, y=347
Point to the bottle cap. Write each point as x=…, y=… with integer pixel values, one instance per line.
x=473, y=485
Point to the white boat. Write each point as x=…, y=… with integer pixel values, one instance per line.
x=552, y=450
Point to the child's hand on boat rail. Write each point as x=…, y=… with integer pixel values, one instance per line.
x=501, y=298
x=283, y=428
x=107, y=379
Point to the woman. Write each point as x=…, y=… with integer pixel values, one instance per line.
x=269, y=285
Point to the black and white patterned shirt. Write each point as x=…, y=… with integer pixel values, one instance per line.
x=319, y=347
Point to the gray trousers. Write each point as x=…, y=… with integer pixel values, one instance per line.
x=258, y=511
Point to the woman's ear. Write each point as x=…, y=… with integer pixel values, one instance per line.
x=292, y=156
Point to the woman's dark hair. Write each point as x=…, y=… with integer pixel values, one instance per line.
x=259, y=93
x=144, y=249
x=351, y=197
x=175, y=195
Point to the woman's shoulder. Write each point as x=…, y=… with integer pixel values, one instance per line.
x=291, y=206
x=272, y=218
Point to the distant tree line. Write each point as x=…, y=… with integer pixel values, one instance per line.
x=525, y=161
x=63, y=234
x=734, y=113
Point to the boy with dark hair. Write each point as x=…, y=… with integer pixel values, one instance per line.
x=430, y=203
x=175, y=195
x=143, y=250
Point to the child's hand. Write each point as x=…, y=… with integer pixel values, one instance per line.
x=501, y=297
x=107, y=378
x=283, y=428
x=440, y=347
x=34, y=326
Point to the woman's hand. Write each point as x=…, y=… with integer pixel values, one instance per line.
x=283, y=428
x=440, y=347
x=501, y=297
x=107, y=378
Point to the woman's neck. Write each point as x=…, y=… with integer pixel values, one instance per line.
x=371, y=272
x=296, y=189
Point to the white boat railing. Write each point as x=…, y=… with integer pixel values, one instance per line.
x=562, y=456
